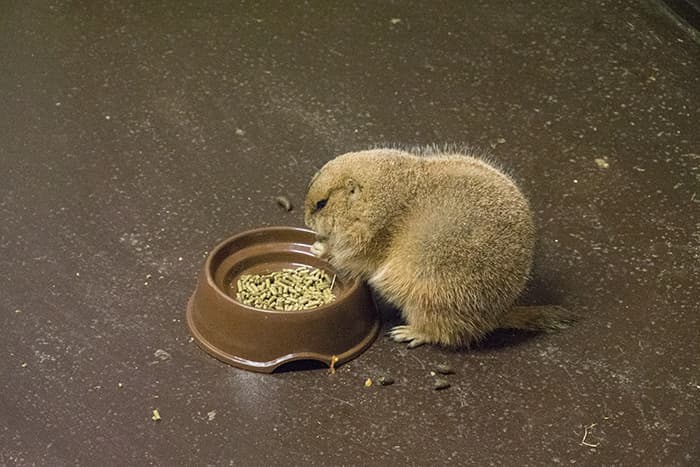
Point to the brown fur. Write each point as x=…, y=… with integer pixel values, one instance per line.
x=446, y=237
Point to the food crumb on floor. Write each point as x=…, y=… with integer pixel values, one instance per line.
x=334, y=360
x=385, y=380
x=161, y=354
x=441, y=384
x=284, y=202
x=444, y=369
x=156, y=415
x=602, y=163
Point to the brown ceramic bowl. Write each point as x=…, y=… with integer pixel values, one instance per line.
x=262, y=340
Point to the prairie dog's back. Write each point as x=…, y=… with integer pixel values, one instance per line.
x=465, y=194
x=469, y=222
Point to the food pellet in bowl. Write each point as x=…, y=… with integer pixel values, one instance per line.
x=302, y=288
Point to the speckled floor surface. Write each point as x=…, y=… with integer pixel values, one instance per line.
x=135, y=136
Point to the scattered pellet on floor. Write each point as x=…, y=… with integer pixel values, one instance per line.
x=284, y=202
x=385, y=380
x=602, y=163
x=161, y=354
x=440, y=384
x=444, y=369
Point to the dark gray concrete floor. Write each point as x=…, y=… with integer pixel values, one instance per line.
x=135, y=136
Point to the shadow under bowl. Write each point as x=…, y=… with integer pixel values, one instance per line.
x=262, y=340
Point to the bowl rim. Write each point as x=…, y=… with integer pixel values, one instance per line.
x=353, y=284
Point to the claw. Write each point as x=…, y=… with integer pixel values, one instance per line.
x=406, y=333
x=319, y=249
x=415, y=343
x=400, y=333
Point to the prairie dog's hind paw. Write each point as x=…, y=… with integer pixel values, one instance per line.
x=406, y=333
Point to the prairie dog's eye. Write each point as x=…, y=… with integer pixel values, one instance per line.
x=321, y=203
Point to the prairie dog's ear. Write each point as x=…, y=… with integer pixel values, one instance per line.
x=352, y=189
x=313, y=179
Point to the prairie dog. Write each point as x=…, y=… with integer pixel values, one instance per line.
x=444, y=236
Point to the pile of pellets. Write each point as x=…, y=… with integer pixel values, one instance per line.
x=286, y=290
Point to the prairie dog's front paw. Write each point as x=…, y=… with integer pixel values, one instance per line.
x=319, y=249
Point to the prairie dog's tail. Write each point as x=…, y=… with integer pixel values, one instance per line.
x=538, y=318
